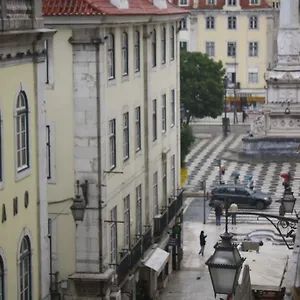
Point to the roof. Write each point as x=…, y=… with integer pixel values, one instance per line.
x=104, y=7
x=245, y=4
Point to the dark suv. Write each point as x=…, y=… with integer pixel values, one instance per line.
x=240, y=195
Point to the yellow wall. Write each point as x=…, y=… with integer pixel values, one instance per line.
x=60, y=113
x=10, y=231
x=242, y=35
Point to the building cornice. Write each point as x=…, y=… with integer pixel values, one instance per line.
x=233, y=12
x=95, y=21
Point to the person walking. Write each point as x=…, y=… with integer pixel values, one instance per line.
x=250, y=183
x=233, y=209
x=218, y=213
x=202, y=242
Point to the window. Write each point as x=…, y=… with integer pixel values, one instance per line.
x=231, y=22
x=112, y=143
x=172, y=43
x=231, y=49
x=48, y=149
x=137, y=51
x=231, y=2
x=125, y=53
x=254, y=2
x=154, y=120
x=138, y=135
x=2, y=290
x=183, y=24
x=126, y=136
x=210, y=22
x=155, y=194
x=164, y=113
x=111, y=56
x=139, y=224
x=210, y=49
x=276, y=4
x=163, y=45
x=127, y=222
x=46, y=47
x=173, y=172
x=164, y=182
x=22, y=132
x=113, y=235
x=183, y=46
x=25, y=288
x=173, y=111
x=231, y=78
x=253, y=77
x=211, y=2
x=183, y=2
x=154, y=42
x=253, y=22
x=253, y=49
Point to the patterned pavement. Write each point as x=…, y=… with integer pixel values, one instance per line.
x=202, y=164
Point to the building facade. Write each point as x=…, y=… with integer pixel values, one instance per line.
x=240, y=33
x=24, y=260
x=115, y=93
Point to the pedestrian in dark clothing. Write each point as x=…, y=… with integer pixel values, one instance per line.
x=218, y=213
x=244, y=116
x=202, y=242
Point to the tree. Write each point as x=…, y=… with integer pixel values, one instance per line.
x=186, y=141
x=202, y=85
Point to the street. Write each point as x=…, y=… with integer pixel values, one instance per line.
x=192, y=282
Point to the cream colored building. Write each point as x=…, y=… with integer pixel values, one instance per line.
x=113, y=108
x=24, y=251
x=240, y=33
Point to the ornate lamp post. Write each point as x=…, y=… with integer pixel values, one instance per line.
x=225, y=124
x=225, y=264
x=288, y=202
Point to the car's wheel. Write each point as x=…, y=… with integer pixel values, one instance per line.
x=259, y=205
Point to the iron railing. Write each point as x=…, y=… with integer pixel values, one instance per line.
x=160, y=223
x=172, y=210
x=179, y=200
x=136, y=253
x=123, y=267
x=147, y=239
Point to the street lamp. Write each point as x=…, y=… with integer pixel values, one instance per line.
x=225, y=124
x=225, y=264
x=288, y=201
x=78, y=206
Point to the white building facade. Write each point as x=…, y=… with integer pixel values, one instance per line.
x=126, y=146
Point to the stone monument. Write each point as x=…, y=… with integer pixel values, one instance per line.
x=281, y=134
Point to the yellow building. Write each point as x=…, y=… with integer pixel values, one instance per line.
x=241, y=34
x=24, y=262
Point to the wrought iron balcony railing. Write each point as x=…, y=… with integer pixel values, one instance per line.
x=160, y=223
x=172, y=210
x=179, y=200
x=123, y=267
x=136, y=253
x=147, y=239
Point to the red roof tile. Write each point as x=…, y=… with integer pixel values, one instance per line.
x=245, y=4
x=104, y=7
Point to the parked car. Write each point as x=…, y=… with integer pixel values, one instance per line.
x=240, y=195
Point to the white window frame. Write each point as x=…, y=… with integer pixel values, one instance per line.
x=253, y=22
x=111, y=58
x=172, y=43
x=231, y=49
x=164, y=113
x=173, y=107
x=210, y=49
x=138, y=129
x=155, y=194
x=112, y=143
x=181, y=45
x=137, y=51
x=254, y=2
x=173, y=172
x=154, y=48
x=253, y=49
x=126, y=202
x=51, y=153
x=49, y=63
x=165, y=181
x=183, y=24
x=253, y=77
x=154, y=120
x=232, y=2
x=113, y=235
x=183, y=2
x=232, y=23
x=211, y=2
x=126, y=143
x=210, y=22
x=139, y=211
x=125, y=54
x=163, y=45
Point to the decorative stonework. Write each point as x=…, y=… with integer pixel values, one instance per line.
x=258, y=126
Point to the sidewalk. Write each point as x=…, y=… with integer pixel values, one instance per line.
x=193, y=282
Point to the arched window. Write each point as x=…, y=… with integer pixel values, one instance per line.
x=25, y=270
x=2, y=291
x=22, y=132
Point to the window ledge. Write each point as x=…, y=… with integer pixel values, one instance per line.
x=49, y=86
x=112, y=82
x=23, y=173
x=125, y=77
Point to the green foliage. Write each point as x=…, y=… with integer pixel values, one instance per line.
x=187, y=140
x=201, y=84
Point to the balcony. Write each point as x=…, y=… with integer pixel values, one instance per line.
x=123, y=267
x=160, y=223
x=179, y=200
x=172, y=210
x=136, y=253
x=147, y=239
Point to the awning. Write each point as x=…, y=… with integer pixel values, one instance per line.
x=157, y=260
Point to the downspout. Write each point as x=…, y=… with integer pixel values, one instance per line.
x=146, y=123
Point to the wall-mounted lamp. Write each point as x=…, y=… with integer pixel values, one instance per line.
x=79, y=205
x=85, y=190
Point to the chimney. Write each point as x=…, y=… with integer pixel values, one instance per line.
x=121, y=4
